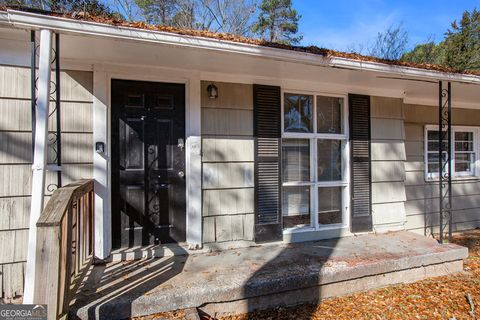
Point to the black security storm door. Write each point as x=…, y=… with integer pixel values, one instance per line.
x=148, y=163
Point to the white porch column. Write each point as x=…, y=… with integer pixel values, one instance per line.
x=39, y=159
x=194, y=165
x=102, y=221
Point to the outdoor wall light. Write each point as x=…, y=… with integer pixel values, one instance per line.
x=212, y=91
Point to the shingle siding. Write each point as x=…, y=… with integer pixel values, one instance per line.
x=16, y=159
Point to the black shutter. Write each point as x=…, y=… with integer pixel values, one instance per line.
x=361, y=180
x=267, y=127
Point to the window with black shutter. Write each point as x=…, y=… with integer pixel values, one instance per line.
x=360, y=146
x=314, y=162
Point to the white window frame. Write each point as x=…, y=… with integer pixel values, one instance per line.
x=433, y=176
x=313, y=183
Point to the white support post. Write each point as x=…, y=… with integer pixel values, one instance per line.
x=194, y=165
x=102, y=221
x=39, y=159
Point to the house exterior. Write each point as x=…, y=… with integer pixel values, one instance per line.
x=203, y=142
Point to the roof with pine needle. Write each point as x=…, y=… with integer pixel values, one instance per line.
x=110, y=20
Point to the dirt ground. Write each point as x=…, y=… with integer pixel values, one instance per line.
x=450, y=297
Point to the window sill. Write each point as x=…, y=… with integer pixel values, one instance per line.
x=455, y=179
x=312, y=229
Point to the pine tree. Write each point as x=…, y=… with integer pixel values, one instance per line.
x=459, y=50
x=462, y=42
x=429, y=53
x=278, y=22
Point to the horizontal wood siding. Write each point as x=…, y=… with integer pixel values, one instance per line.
x=227, y=163
x=422, y=205
x=388, y=164
x=16, y=159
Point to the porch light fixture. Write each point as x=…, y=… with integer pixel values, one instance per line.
x=212, y=91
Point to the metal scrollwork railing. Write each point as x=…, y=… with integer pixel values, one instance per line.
x=445, y=161
x=54, y=137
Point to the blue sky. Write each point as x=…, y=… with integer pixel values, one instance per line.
x=339, y=24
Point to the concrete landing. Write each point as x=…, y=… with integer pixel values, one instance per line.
x=241, y=280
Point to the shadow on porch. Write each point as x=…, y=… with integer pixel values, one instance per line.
x=246, y=279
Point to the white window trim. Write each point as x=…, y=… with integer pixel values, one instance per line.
x=462, y=175
x=314, y=185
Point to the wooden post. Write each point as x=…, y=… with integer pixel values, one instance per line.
x=58, y=270
x=39, y=159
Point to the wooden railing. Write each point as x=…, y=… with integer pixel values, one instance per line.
x=64, y=246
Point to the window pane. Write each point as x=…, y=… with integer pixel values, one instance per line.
x=463, y=146
x=296, y=206
x=463, y=136
x=329, y=153
x=433, y=168
x=295, y=160
x=329, y=114
x=298, y=111
x=433, y=145
x=330, y=205
x=432, y=165
x=464, y=162
x=433, y=135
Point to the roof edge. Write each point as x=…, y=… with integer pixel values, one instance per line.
x=27, y=20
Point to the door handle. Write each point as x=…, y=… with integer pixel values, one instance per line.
x=180, y=144
x=181, y=174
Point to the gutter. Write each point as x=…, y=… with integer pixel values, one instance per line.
x=26, y=20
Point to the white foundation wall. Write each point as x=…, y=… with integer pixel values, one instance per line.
x=16, y=159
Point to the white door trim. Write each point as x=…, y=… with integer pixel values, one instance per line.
x=102, y=77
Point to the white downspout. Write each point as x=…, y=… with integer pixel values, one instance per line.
x=39, y=159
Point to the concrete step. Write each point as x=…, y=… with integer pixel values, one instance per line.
x=246, y=279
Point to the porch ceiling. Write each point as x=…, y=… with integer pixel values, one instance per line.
x=213, y=64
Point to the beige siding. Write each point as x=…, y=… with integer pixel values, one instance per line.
x=16, y=158
x=388, y=163
x=228, y=201
x=422, y=203
x=226, y=122
x=227, y=156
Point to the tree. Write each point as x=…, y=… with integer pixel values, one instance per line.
x=460, y=48
x=94, y=7
x=129, y=9
x=391, y=44
x=159, y=12
x=278, y=22
x=462, y=42
x=429, y=53
x=227, y=16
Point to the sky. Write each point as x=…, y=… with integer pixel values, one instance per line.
x=343, y=24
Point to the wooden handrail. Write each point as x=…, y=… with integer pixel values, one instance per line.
x=64, y=246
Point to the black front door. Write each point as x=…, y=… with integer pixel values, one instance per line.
x=148, y=163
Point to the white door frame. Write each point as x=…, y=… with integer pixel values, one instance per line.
x=102, y=77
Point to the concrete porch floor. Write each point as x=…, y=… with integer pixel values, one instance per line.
x=246, y=279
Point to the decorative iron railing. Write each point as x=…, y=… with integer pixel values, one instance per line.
x=444, y=158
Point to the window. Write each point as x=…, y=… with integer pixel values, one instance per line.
x=314, y=161
x=464, y=151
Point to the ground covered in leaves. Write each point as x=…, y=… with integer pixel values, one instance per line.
x=433, y=298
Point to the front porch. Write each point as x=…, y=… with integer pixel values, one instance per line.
x=259, y=277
